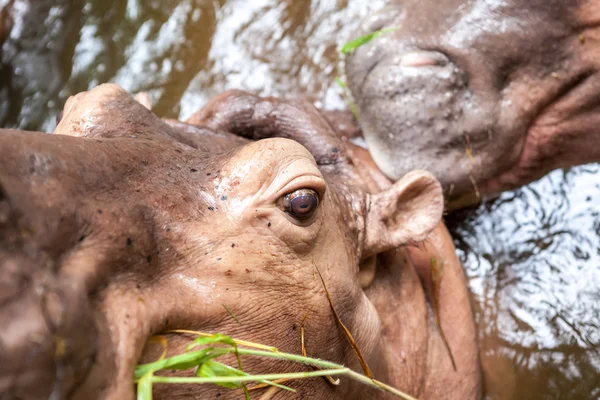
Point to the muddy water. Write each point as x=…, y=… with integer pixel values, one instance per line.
x=532, y=256
x=533, y=259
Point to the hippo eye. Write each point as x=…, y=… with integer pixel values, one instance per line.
x=301, y=204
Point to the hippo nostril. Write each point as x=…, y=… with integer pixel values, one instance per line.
x=381, y=18
x=424, y=59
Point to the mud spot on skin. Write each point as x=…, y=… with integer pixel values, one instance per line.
x=193, y=170
x=223, y=198
x=247, y=270
x=269, y=224
x=219, y=258
x=228, y=272
x=208, y=174
x=81, y=238
x=129, y=242
x=294, y=327
x=99, y=211
x=232, y=245
x=211, y=208
x=149, y=259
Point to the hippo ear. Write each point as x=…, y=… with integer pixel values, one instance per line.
x=404, y=213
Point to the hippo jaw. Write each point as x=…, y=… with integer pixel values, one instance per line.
x=477, y=93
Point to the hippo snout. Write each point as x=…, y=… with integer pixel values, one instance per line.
x=413, y=100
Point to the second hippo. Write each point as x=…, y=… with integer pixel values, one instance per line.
x=487, y=95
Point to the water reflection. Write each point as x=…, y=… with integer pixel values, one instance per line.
x=181, y=51
x=532, y=256
x=533, y=261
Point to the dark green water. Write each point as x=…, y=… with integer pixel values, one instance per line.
x=532, y=256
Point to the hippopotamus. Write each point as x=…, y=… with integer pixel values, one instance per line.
x=486, y=95
x=121, y=226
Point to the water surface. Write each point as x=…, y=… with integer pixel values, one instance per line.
x=532, y=256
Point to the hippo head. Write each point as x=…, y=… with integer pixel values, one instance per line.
x=121, y=226
x=488, y=95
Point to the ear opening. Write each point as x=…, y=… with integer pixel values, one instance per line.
x=404, y=213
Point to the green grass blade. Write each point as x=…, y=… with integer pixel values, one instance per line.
x=236, y=341
x=144, y=389
x=197, y=358
x=249, y=378
x=181, y=361
x=356, y=43
x=211, y=369
x=217, y=338
x=214, y=368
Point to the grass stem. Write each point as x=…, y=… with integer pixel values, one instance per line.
x=235, y=379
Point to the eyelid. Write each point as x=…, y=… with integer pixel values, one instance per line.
x=314, y=182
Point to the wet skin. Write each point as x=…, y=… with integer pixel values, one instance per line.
x=487, y=95
x=121, y=226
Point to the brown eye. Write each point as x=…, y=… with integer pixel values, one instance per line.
x=301, y=204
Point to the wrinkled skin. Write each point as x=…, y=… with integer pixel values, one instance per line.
x=121, y=226
x=487, y=95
